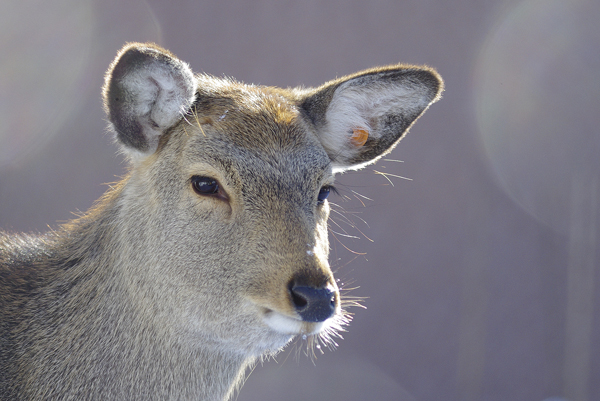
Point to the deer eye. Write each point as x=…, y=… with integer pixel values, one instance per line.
x=323, y=194
x=205, y=185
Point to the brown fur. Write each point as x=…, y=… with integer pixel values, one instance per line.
x=161, y=292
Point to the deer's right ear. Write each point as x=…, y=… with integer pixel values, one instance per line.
x=147, y=90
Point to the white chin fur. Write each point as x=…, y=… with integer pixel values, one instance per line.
x=288, y=325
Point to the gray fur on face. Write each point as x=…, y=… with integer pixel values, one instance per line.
x=213, y=250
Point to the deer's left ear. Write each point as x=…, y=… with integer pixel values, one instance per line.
x=361, y=117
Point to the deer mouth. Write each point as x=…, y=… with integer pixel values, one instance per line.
x=289, y=325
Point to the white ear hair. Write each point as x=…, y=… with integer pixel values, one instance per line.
x=147, y=91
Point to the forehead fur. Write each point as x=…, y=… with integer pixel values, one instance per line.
x=254, y=117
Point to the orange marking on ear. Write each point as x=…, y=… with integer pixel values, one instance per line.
x=359, y=137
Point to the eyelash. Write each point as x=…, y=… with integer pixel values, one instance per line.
x=324, y=193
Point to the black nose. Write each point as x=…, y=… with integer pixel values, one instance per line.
x=313, y=304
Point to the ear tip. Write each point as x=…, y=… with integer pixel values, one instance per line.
x=427, y=77
x=143, y=48
x=435, y=82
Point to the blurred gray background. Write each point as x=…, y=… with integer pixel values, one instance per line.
x=481, y=271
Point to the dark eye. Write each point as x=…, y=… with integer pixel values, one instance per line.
x=205, y=185
x=323, y=194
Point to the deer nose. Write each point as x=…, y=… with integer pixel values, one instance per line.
x=313, y=304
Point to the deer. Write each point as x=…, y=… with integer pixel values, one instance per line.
x=212, y=251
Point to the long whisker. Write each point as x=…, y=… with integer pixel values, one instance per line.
x=348, y=249
x=391, y=175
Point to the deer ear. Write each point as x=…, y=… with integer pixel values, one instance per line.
x=146, y=91
x=361, y=117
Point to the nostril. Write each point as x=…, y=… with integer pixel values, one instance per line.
x=299, y=301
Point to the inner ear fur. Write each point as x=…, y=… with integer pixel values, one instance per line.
x=146, y=91
x=382, y=102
